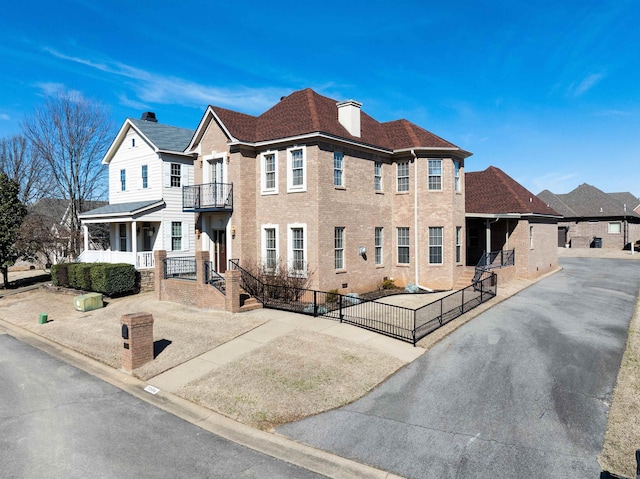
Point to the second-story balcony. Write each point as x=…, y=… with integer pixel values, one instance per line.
x=208, y=197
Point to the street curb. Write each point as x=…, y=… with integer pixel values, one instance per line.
x=273, y=445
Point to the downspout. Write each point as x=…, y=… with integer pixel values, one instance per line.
x=415, y=223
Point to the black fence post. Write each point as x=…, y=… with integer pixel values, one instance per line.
x=340, y=296
x=315, y=304
x=463, y=300
x=441, y=309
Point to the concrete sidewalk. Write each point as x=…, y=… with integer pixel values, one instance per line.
x=279, y=323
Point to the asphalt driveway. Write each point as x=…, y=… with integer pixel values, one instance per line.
x=521, y=391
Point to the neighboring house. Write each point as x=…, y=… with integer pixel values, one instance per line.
x=147, y=172
x=323, y=187
x=503, y=215
x=592, y=218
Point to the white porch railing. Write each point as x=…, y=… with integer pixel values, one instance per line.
x=141, y=260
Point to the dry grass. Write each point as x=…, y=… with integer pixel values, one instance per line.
x=294, y=376
x=623, y=429
x=97, y=333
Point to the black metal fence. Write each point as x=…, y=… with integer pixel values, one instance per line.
x=497, y=259
x=215, y=279
x=209, y=196
x=180, y=267
x=399, y=322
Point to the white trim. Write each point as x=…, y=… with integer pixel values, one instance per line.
x=305, y=246
x=263, y=179
x=408, y=177
x=263, y=235
x=291, y=188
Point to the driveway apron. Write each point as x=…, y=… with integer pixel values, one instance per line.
x=523, y=390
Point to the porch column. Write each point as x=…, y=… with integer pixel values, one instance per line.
x=506, y=237
x=85, y=234
x=134, y=242
x=487, y=240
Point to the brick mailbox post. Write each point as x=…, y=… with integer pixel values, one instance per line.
x=137, y=340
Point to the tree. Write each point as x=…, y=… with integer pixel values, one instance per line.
x=20, y=163
x=12, y=212
x=71, y=134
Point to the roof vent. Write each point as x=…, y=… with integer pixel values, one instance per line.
x=149, y=116
x=349, y=116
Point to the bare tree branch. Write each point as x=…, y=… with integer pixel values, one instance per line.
x=20, y=162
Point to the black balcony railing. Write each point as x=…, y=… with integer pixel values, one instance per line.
x=208, y=197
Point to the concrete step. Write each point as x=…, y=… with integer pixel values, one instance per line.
x=465, y=279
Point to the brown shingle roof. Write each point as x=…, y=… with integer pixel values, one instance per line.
x=492, y=191
x=305, y=111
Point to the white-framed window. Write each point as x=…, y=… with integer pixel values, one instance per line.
x=402, y=175
x=615, y=228
x=530, y=237
x=435, y=175
x=297, y=235
x=377, y=176
x=458, y=244
x=456, y=175
x=270, y=247
x=145, y=176
x=269, y=181
x=176, y=236
x=435, y=244
x=378, y=246
x=338, y=247
x=123, y=180
x=122, y=237
x=403, y=245
x=297, y=169
x=175, y=175
x=338, y=168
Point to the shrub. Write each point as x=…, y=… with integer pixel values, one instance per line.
x=388, y=284
x=60, y=275
x=332, y=296
x=80, y=276
x=113, y=279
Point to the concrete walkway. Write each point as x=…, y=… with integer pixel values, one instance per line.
x=279, y=323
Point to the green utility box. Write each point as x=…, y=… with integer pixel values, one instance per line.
x=88, y=302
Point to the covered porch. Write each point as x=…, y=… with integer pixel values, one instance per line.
x=489, y=233
x=134, y=229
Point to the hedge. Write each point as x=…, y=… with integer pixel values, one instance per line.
x=80, y=275
x=113, y=279
x=60, y=275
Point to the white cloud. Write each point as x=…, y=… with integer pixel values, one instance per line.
x=151, y=87
x=586, y=84
x=4, y=116
x=555, y=182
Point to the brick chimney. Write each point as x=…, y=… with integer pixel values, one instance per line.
x=349, y=116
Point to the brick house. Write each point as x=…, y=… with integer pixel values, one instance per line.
x=593, y=218
x=503, y=215
x=325, y=188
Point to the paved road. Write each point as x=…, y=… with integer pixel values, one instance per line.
x=59, y=422
x=521, y=391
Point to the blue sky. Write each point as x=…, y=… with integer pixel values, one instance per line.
x=547, y=91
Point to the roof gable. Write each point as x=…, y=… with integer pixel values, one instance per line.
x=492, y=191
x=161, y=137
x=587, y=201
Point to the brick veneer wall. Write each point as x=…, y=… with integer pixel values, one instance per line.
x=580, y=234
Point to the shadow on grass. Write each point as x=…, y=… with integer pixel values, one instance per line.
x=159, y=346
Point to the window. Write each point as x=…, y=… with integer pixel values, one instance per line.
x=456, y=175
x=458, y=244
x=122, y=236
x=435, y=174
x=338, y=247
x=338, y=172
x=531, y=237
x=297, y=250
x=403, y=245
x=176, y=174
x=123, y=180
x=176, y=236
x=269, y=173
x=297, y=175
x=133, y=142
x=403, y=176
x=377, y=176
x=270, y=251
x=145, y=176
x=378, y=246
x=435, y=245
x=615, y=228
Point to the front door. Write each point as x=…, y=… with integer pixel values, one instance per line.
x=219, y=243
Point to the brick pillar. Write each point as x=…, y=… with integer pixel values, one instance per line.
x=201, y=257
x=232, y=297
x=137, y=340
x=159, y=256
